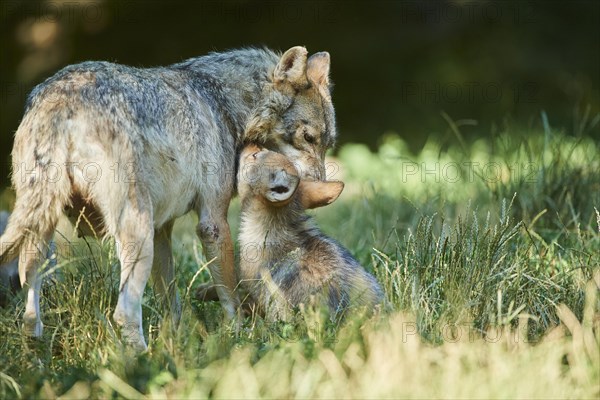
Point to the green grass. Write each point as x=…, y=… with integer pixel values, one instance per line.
x=491, y=270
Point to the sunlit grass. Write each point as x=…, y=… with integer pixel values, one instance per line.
x=492, y=284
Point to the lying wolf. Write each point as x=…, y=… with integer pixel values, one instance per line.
x=126, y=151
x=285, y=260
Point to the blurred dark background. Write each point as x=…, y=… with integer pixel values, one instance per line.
x=397, y=65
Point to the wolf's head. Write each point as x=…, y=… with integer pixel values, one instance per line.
x=295, y=117
x=272, y=178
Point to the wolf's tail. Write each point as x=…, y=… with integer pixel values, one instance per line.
x=41, y=182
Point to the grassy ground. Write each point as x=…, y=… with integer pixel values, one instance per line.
x=489, y=253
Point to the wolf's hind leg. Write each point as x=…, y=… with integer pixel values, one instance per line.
x=134, y=238
x=163, y=272
x=32, y=256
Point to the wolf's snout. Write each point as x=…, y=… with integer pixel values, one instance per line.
x=281, y=189
x=310, y=172
x=315, y=175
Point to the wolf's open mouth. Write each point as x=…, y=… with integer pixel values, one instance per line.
x=280, y=189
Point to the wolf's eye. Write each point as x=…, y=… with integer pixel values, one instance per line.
x=255, y=154
x=309, y=138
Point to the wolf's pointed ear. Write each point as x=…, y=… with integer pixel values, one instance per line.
x=315, y=194
x=318, y=68
x=292, y=67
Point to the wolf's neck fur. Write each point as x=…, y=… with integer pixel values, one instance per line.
x=237, y=77
x=274, y=229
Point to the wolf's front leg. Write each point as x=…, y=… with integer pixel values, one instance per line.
x=135, y=236
x=215, y=236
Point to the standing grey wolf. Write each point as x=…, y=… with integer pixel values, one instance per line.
x=126, y=151
x=284, y=258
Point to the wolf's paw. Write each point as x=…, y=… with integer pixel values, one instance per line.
x=32, y=325
x=138, y=346
x=133, y=337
